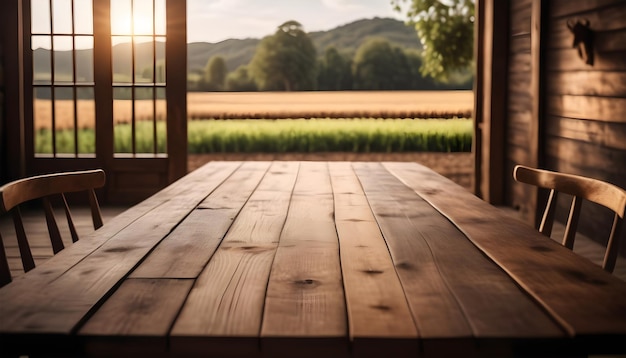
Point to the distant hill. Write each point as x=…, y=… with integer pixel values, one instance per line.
x=346, y=38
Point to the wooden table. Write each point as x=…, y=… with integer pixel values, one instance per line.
x=284, y=259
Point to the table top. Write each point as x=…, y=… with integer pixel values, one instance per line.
x=315, y=259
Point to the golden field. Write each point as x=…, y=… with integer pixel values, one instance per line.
x=201, y=105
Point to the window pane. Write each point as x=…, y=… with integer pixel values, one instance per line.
x=144, y=63
x=122, y=117
x=63, y=59
x=86, y=119
x=120, y=17
x=42, y=116
x=41, y=59
x=64, y=119
x=40, y=16
x=122, y=60
x=161, y=114
x=160, y=61
x=142, y=17
x=83, y=17
x=159, y=17
x=62, y=16
x=144, y=117
x=84, y=59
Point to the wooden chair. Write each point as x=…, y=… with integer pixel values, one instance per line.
x=599, y=192
x=46, y=187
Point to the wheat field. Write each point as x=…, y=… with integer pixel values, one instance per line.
x=204, y=105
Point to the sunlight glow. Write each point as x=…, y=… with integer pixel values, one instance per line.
x=137, y=17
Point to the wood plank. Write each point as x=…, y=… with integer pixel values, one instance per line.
x=305, y=297
x=227, y=300
x=57, y=306
x=519, y=102
x=592, y=160
x=566, y=285
x=139, y=308
x=587, y=83
x=519, y=44
x=568, y=60
x=561, y=8
x=609, y=109
x=520, y=20
x=213, y=172
x=438, y=251
x=520, y=62
x=380, y=322
x=519, y=82
x=605, y=22
x=186, y=251
x=610, y=135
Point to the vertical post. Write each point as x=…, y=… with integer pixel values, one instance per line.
x=493, y=94
x=11, y=37
x=103, y=77
x=535, y=145
x=479, y=30
x=176, y=87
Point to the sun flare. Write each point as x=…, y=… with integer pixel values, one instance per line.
x=122, y=23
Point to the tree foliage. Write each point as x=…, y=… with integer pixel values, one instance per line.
x=334, y=71
x=380, y=66
x=215, y=73
x=446, y=30
x=285, y=60
x=240, y=80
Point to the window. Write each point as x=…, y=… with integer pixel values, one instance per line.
x=138, y=60
x=63, y=78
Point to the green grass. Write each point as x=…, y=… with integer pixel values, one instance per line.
x=297, y=135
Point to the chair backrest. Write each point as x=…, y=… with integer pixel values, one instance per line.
x=597, y=191
x=46, y=187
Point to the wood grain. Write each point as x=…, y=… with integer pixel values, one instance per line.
x=227, y=299
x=305, y=295
x=103, y=260
x=587, y=107
x=186, y=251
x=468, y=278
x=380, y=321
x=565, y=285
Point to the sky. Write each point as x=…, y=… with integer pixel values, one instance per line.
x=218, y=20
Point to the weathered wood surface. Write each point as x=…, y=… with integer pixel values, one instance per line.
x=563, y=285
x=311, y=259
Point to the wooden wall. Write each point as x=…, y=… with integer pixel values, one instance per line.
x=578, y=110
x=585, y=106
x=519, y=106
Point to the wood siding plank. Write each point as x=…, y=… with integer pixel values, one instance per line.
x=375, y=300
x=587, y=83
x=568, y=60
x=609, y=109
x=561, y=8
x=600, y=133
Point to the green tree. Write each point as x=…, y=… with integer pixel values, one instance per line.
x=334, y=71
x=215, y=74
x=285, y=60
x=379, y=66
x=446, y=30
x=240, y=80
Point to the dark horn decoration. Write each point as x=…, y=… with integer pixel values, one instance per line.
x=583, y=39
